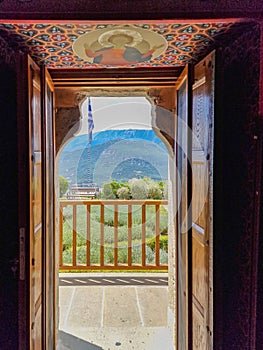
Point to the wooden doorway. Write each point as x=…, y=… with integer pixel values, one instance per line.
x=195, y=120
x=37, y=250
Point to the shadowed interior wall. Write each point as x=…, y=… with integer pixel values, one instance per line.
x=236, y=168
x=260, y=271
x=8, y=203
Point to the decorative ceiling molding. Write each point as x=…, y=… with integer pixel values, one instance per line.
x=51, y=44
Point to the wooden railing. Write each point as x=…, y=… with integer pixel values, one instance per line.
x=68, y=239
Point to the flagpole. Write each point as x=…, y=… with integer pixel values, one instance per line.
x=90, y=128
x=89, y=166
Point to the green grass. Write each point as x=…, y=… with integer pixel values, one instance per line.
x=109, y=234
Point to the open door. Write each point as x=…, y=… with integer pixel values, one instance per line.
x=194, y=161
x=36, y=297
x=36, y=208
x=49, y=243
x=183, y=96
x=202, y=196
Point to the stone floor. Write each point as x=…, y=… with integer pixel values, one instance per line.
x=107, y=317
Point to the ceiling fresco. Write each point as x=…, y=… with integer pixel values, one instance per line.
x=83, y=45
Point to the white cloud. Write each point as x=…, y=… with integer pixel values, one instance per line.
x=117, y=113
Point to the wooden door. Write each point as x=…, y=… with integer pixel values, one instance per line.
x=35, y=206
x=202, y=175
x=49, y=249
x=182, y=164
x=37, y=285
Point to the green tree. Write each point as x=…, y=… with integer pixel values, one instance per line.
x=138, y=188
x=124, y=193
x=153, y=190
x=114, y=187
x=63, y=186
x=107, y=192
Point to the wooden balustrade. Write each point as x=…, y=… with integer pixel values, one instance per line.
x=131, y=205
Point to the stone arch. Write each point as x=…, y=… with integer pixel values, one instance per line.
x=162, y=102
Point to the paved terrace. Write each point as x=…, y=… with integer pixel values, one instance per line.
x=106, y=311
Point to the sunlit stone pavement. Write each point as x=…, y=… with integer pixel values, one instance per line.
x=114, y=316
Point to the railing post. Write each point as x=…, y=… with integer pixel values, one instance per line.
x=102, y=235
x=143, y=235
x=74, y=236
x=88, y=237
x=157, y=232
x=129, y=235
x=61, y=235
x=115, y=235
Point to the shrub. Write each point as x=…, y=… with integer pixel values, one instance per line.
x=154, y=191
x=114, y=187
x=124, y=193
x=138, y=189
x=163, y=243
x=107, y=192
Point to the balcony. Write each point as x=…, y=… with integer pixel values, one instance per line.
x=113, y=235
x=113, y=275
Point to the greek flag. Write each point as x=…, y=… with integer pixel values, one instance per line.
x=90, y=121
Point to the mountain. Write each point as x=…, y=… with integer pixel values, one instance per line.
x=114, y=154
x=80, y=142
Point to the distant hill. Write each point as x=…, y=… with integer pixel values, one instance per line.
x=114, y=154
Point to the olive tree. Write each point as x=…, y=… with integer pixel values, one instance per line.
x=124, y=193
x=138, y=189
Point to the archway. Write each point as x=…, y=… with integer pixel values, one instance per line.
x=166, y=120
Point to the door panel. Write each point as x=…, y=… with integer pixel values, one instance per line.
x=49, y=277
x=36, y=214
x=202, y=154
x=36, y=202
x=182, y=89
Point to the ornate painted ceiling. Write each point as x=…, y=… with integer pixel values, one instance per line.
x=103, y=45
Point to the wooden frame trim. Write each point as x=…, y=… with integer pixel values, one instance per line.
x=120, y=73
x=189, y=199
x=47, y=82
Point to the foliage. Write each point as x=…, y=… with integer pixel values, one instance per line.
x=114, y=187
x=138, y=188
x=134, y=189
x=154, y=191
x=124, y=193
x=107, y=192
x=163, y=243
x=109, y=254
x=63, y=186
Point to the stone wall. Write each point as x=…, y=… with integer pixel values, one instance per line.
x=67, y=123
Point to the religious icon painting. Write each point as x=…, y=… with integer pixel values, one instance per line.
x=119, y=46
